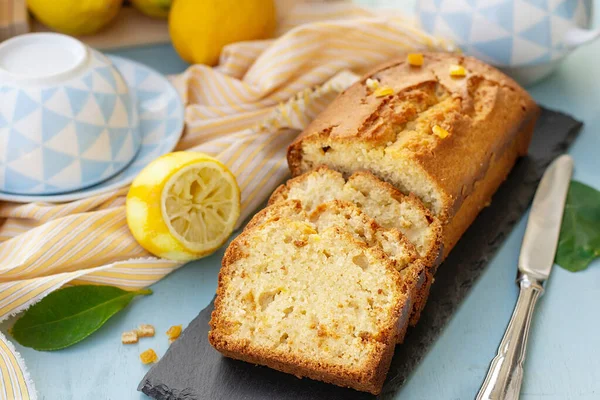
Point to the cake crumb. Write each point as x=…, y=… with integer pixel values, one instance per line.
x=148, y=356
x=145, y=330
x=129, y=337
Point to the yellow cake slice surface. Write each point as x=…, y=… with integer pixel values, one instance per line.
x=312, y=302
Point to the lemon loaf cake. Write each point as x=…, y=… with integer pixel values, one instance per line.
x=448, y=131
x=310, y=302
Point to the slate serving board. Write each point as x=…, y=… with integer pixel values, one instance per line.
x=192, y=369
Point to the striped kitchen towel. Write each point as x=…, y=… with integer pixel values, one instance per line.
x=245, y=112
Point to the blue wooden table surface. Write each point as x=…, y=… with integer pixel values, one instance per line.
x=564, y=356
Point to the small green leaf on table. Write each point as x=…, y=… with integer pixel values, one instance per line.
x=579, y=242
x=69, y=315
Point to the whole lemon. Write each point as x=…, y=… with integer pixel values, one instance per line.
x=153, y=8
x=75, y=17
x=200, y=29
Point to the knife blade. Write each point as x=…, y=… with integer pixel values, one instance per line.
x=505, y=375
x=543, y=226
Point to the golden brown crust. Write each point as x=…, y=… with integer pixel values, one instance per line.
x=473, y=204
x=278, y=210
x=486, y=110
x=421, y=296
x=369, y=379
x=481, y=197
x=371, y=382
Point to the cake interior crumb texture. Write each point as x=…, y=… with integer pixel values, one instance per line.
x=379, y=200
x=416, y=272
x=313, y=303
x=350, y=218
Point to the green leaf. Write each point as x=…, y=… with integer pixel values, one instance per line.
x=69, y=315
x=579, y=242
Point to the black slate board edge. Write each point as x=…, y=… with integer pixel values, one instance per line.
x=192, y=369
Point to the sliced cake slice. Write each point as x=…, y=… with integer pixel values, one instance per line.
x=349, y=217
x=379, y=200
x=387, y=206
x=309, y=302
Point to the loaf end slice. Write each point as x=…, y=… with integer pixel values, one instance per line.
x=317, y=304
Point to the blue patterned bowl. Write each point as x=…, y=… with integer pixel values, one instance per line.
x=67, y=118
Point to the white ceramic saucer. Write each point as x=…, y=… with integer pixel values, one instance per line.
x=161, y=123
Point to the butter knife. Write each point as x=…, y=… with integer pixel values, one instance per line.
x=505, y=375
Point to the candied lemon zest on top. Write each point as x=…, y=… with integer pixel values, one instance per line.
x=415, y=59
x=440, y=132
x=384, y=91
x=457, y=70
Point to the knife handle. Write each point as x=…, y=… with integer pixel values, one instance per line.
x=504, y=377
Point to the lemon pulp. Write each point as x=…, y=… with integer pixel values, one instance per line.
x=198, y=208
x=183, y=206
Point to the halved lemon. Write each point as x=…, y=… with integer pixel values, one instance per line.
x=183, y=206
